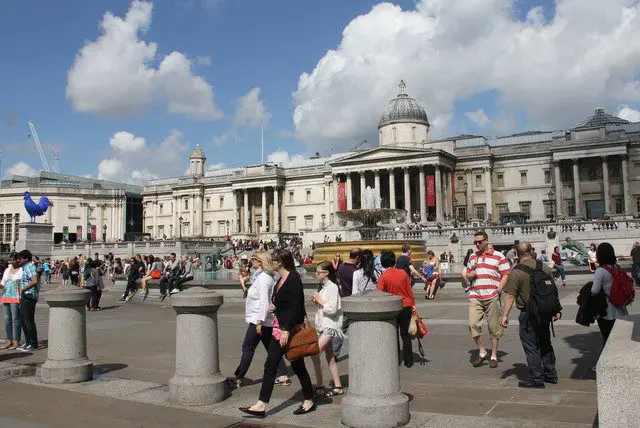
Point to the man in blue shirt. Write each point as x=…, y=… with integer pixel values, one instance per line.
x=30, y=292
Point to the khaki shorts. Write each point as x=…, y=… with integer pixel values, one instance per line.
x=492, y=309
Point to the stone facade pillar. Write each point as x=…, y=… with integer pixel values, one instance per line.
x=576, y=188
x=276, y=211
x=488, y=192
x=625, y=184
x=558, y=183
x=155, y=219
x=392, y=189
x=192, y=215
x=265, y=225
x=175, y=216
x=438, y=192
x=336, y=191
x=605, y=177
x=373, y=401
x=422, y=195
x=376, y=183
x=245, y=208
x=327, y=202
x=349, y=192
x=67, y=360
x=445, y=191
x=407, y=194
x=469, y=193
x=197, y=380
x=234, y=200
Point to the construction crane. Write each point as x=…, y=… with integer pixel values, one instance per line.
x=43, y=158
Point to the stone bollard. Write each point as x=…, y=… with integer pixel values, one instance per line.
x=197, y=380
x=67, y=360
x=374, y=398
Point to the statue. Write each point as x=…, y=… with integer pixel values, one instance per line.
x=35, y=209
x=370, y=199
x=580, y=257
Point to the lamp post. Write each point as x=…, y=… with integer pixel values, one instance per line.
x=551, y=194
x=227, y=222
x=180, y=227
x=89, y=238
x=466, y=197
x=104, y=233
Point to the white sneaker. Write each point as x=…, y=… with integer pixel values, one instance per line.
x=174, y=291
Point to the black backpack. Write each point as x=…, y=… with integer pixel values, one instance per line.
x=544, y=302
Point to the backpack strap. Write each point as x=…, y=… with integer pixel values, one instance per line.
x=527, y=269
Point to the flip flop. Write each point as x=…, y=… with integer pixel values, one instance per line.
x=334, y=392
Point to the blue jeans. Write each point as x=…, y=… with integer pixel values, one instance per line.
x=560, y=271
x=12, y=321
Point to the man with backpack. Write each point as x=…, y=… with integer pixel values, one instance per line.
x=534, y=291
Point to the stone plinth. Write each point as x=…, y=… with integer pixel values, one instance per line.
x=375, y=398
x=197, y=380
x=67, y=360
x=618, y=376
x=35, y=237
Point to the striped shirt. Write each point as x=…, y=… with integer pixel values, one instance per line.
x=489, y=267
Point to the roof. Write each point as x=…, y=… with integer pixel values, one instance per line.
x=197, y=153
x=600, y=119
x=55, y=179
x=403, y=109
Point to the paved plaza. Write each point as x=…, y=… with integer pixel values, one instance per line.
x=133, y=349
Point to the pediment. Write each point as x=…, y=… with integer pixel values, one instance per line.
x=383, y=154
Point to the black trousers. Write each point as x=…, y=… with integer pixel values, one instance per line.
x=274, y=355
x=605, y=327
x=177, y=283
x=27, y=319
x=164, y=284
x=402, y=325
x=131, y=287
x=251, y=341
x=536, y=342
x=94, y=299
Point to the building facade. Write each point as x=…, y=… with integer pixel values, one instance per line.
x=80, y=208
x=589, y=171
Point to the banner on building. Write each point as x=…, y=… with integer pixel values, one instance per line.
x=79, y=233
x=93, y=232
x=431, y=190
x=342, y=196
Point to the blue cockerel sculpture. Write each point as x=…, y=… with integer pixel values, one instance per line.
x=34, y=209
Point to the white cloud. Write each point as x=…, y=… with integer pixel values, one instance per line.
x=629, y=114
x=283, y=158
x=137, y=163
x=115, y=75
x=20, y=168
x=251, y=110
x=555, y=70
x=216, y=166
x=226, y=137
x=478, y=117
x=285, y=133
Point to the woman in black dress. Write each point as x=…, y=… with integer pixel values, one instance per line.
x=288, y=307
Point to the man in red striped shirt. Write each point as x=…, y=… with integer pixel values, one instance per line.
x=487, y=272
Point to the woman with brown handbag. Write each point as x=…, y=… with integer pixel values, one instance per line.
x=288, y=307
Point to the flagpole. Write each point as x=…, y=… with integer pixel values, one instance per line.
x=262, y=141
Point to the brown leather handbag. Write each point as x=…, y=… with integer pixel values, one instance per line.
x=303, y=343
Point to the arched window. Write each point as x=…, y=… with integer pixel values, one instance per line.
x=394, y=133
x=414, y=135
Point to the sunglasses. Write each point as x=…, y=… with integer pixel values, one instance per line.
x=478, y=242
x=321, y=271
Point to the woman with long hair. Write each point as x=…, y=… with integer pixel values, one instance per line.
x=365, y=277
x=329, y=325
x=10, y=294
x=259, y=319
x=287, y=304
x=592, y=257
x=431, y=271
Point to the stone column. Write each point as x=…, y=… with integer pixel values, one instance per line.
x=438, y=192
x=349, y=192
x=576, y=188
x=558, y=183
x=605, y=177
x=469, y=194
x=363, y=185
x=336, y=182
x=67, y=360
x=376, y=183
x=197, y=380
x=246, y=211
x=422, y=195
x=407, y=194
x=625, y=184
x=155, y=219
x=488, y=192
x=373, y=400
x=445, y=191
x=276, y=211
x=392, y=189
x=234, y=224
x=192, y=215
x=175, y=217
x=327, y=202
x=265, y=224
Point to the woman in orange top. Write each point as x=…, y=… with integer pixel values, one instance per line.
x=395, y=281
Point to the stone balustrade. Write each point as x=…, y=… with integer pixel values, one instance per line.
x=127, y=249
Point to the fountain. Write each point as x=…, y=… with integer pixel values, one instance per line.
x=373, y=235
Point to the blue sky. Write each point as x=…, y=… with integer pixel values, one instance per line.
x=236, y=46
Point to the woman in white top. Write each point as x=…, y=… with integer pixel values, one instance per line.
x=259, y=318
x=591, y=255
x=602, y=282
x=329, y=325
x=366, y=277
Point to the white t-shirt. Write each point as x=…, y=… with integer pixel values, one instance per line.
x=257, y=303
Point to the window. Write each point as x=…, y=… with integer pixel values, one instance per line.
x=186, y=204
x=290, y=196
x=478, y=182
x=221, y=201
x=72, y=211
x=323, y=221
x=523, y=178
x=619, y=206
x=547, y=176
x=308, y=222
x=615, y=173
x=92, y=212
x=462, y=213
x=207, y=203
x=394, y=133
x=292, y=224
x=414, y=134
x=308, y=196
x=549, y=209
x=500, y=179
x=525, y=208
x=161, y=230
x=479, y=211
x=171, y=207
x=571, y=208
x=502, y=209
x=150, y=230
x=324, y=193
x=161, y=208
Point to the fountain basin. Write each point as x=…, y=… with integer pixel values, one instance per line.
x=328, y=250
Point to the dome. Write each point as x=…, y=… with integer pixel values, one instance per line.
x=403, y=109
x=600, y=118
x=197, y=153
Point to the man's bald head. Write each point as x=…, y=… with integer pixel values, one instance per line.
x=524, y=249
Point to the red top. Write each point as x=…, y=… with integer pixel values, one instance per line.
x=396, y=281
x=556, y=258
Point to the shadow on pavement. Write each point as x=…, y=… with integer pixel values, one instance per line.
x=473, y=354
x=10, y=355
x=519, y=370
x=590, y=346
x=102, y=369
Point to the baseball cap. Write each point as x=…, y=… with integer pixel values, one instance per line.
x=244, y=257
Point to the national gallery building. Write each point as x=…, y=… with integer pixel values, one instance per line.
x=587, y=172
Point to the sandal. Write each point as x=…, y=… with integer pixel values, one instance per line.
x=334, y=392
x=6, y=346
x=286, y=382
